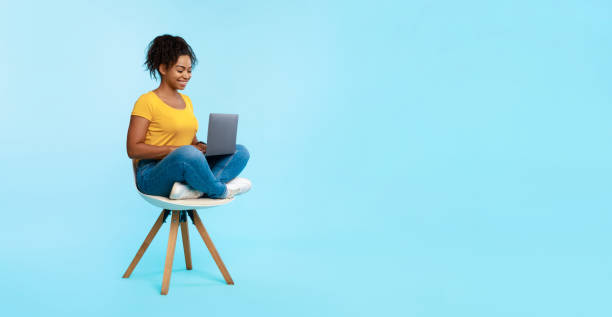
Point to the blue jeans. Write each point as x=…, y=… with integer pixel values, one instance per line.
x=189, y=165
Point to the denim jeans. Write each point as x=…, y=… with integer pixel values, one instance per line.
x=187, y=164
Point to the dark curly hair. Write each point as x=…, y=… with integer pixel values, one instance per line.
x=165, y=50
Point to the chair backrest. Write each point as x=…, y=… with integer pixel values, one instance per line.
x=134, y=167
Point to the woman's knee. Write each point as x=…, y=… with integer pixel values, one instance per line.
x=242, y=151
x=189, y=153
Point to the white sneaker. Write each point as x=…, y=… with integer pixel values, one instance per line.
x=237, y=186
x=184, y=191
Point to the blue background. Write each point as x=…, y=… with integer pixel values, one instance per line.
x=423, y=158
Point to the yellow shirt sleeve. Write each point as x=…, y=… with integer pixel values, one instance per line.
x=142, y=108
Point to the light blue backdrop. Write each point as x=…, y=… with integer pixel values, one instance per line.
x=423, y=158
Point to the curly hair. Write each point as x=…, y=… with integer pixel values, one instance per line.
x=165, y=50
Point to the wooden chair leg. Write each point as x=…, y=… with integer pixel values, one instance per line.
x=186, y=247
x=145, y=245
x=170, y=251
x=211, y=247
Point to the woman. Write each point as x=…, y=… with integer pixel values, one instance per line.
x=162, y=141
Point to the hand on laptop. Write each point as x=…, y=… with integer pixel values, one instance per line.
x=201, y=147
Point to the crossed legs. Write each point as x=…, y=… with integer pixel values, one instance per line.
x=188, y=165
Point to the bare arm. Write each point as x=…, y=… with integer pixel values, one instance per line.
x=201, y=147
x=136, y=148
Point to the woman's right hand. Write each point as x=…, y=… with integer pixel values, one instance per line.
x=201, y=147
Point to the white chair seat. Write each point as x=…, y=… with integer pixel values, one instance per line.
x=183, y=204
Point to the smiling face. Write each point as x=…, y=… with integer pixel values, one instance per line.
x=179, y=74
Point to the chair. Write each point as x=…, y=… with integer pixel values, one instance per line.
x=180, y=210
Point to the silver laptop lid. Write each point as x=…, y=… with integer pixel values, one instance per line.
x=222, y=131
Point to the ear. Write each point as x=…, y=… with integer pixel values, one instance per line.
x=162, y=69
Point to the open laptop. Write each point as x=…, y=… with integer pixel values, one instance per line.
x=222, y=131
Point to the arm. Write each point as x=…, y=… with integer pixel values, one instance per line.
x=201, y=147
x=136, y=148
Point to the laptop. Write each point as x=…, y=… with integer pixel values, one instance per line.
x=222, y=130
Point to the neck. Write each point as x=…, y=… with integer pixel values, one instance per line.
x=166, y=90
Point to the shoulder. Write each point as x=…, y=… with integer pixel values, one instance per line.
x=147, y=97
x=185, y=97
x=148, y=100
x=144, y=106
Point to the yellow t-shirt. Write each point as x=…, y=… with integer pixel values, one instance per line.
x=168, y=125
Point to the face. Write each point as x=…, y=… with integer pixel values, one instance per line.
x=179, y=74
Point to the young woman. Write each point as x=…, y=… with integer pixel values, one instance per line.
x=161, y=138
